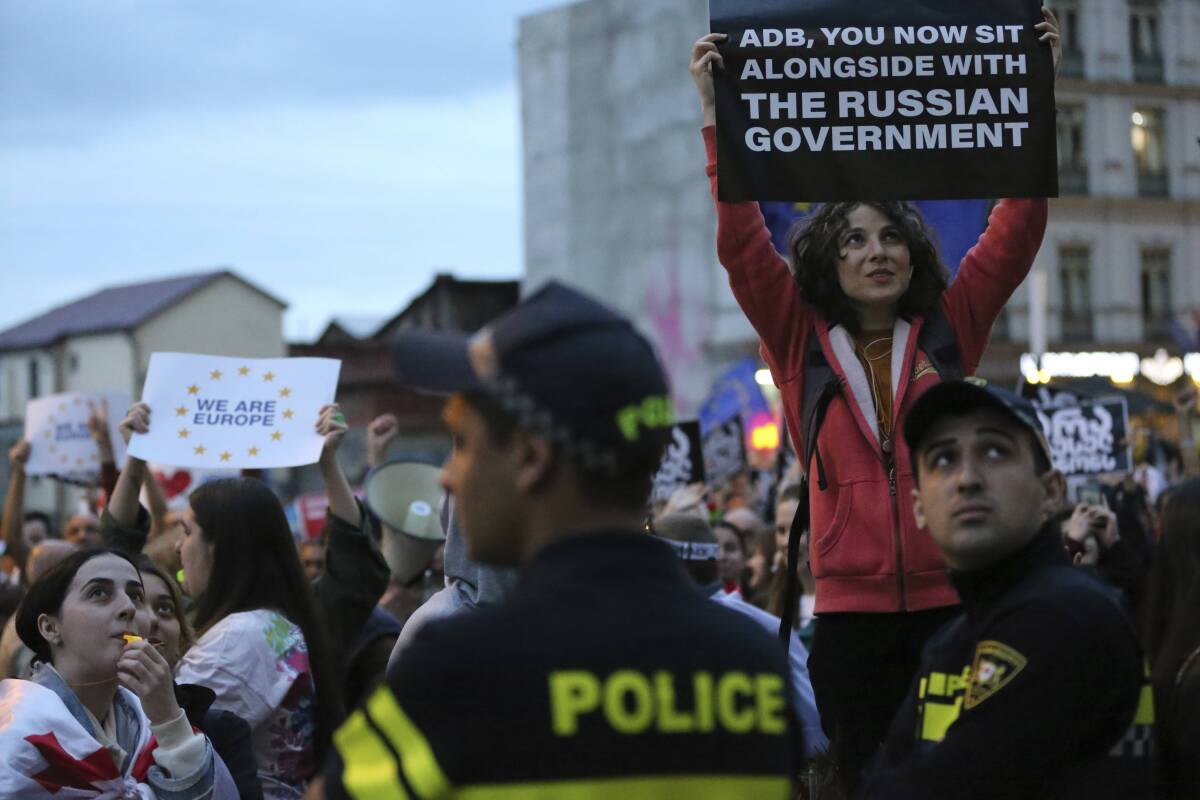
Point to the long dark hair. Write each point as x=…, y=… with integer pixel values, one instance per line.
x=255, y=566
x=814, y=245
x=1172, y=624
x=46, y=595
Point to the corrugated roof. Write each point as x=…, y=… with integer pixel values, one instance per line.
x=117, y=308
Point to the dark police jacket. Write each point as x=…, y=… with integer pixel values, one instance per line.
x=1037, y=690
x=605, y=675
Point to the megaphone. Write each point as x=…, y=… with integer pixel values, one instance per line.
x=406, y=495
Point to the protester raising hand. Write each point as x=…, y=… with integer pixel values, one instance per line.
x=1048, y=30
x=382, y=431
x=331, y=423
x=14, y=504
x=706, y=58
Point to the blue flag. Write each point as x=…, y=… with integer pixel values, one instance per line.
x=956, y=224
x=735, y=393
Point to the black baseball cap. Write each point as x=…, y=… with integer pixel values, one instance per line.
x=564, y=365
x=962, y=397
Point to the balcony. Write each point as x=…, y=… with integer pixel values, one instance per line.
x=1147, y=67
x=1152, y=184
x=1072, y=179
x=1071, y=65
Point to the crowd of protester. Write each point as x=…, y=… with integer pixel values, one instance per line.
x=918, y=556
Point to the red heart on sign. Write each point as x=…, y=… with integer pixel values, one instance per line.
x=175, y=484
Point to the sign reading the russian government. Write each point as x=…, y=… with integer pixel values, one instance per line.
x=60, y=444
x=214, y=411
x=881, y=100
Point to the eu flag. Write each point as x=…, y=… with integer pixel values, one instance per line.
x=956, y=224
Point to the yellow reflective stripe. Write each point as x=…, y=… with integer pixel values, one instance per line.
x=416, y=756
x=1145, y=707
x=369, y=769
x=693, y=787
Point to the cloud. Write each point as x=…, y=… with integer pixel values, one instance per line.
x=108, y=61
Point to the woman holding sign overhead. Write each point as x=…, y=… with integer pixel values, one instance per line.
x=855, y=324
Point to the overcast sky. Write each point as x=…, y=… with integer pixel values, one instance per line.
x=338, y=154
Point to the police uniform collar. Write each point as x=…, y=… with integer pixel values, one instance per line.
x=616, y=552
x=978, y=588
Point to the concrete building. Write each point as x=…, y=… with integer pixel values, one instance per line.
x=103, y=342
x=616, y=200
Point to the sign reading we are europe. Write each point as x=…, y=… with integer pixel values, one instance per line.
x=56, y=427
x=215, y=411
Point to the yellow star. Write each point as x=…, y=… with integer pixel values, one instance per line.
x=286, y=415
x=253, y=451
x=285, y=392
x=52, y=448
x=183, y=433
x=47, y=434
x=225, y=456
x=79, y=462
x=193, y=389
x=198, y=449
x=65, y=459
x=243, y=371
x=51, y=418
x=268, y=377
x=62, y=406
x=215, y=374
x=181, y=411
x=78, y=400
x=276, y=436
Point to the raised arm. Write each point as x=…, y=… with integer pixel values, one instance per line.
x=762, y=284
x=14, y=504
x=98, y=428
x=331, y=424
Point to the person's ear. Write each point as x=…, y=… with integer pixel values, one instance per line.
x=1054, y=486
x=918, y=510
x=48, y=628
x=533, y=460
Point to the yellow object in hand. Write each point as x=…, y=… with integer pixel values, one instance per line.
x=129, y=638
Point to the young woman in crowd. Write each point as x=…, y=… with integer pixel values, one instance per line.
x=1172, y=633
x=99, y=718
x=261, y=647
x=861, y=278
x=171, y=634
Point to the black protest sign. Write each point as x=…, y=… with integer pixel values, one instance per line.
x=725, y=450
x=682, y=463
x=878, y=100
x=1087, y=437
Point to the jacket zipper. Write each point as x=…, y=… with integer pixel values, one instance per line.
x=890, y=462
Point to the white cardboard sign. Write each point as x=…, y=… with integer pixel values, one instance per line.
x=56, y=427
x=216, y=412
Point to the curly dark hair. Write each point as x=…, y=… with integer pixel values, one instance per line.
x=814, y=247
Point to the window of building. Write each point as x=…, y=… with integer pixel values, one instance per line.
x=1075, y=281
x=1071, y=65
x=1072, y=157
x=34, y=383
x=1156, y=292
x=1144, y=43
x=1147, y=135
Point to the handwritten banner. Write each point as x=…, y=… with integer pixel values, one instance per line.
x=682, y=463
x=56, y=427
x=929, y=99
x=1087, y=437
x=725, y=451
x=220, y=412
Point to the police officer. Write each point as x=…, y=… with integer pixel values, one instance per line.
x=1037, y=689
x=605, y=674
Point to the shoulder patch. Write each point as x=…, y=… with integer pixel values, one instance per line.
x=994, y=668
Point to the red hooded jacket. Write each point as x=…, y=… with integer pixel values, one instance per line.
x=866, y=551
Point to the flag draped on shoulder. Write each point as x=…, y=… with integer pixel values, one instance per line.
x=46, y=753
